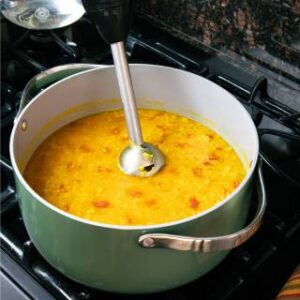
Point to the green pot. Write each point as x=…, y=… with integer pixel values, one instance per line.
x=136, y=259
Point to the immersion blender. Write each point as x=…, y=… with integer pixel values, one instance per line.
x=112, y=20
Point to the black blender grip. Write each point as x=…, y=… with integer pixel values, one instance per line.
x=111, y=17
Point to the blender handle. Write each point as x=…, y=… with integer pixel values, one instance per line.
x=111, y=17
x=112, y=20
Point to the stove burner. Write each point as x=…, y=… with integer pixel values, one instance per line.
x=29, y=49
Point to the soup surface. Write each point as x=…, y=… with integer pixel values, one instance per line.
x=76, y=169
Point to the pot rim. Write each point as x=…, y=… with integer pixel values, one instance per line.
x=135, y=227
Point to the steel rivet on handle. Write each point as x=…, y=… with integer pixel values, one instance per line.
x=148, y=242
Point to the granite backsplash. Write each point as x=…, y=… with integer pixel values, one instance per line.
x=233, y=24
x=263, y=34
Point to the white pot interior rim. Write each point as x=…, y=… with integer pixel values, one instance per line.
x=145, y=228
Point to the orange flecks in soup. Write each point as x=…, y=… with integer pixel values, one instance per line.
x=76, y=169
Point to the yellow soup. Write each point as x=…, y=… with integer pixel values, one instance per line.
x=76, y=169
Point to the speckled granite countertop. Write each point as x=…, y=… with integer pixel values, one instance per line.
x=262, y=36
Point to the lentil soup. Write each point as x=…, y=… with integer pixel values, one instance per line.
x=76, y=169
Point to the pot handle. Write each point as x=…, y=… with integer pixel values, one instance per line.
x=210, y=244
x=49, y=77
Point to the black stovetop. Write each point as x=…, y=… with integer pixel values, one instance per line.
x=255, y=270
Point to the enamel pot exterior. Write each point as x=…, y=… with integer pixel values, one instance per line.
x=109, y=257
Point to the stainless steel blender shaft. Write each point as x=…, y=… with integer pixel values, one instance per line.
x=127, y=93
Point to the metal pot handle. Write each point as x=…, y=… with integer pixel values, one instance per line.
x=210, y=244
x=49, y=77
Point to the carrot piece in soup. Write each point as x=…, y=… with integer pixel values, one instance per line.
x=197, y=172
x=194, y=203
x=135, y=194
x=100, y=203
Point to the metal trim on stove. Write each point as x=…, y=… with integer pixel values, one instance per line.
x=16, y=283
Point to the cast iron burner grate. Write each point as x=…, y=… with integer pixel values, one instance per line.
x=245, y=274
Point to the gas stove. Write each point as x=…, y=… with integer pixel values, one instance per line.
x=257, y=269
